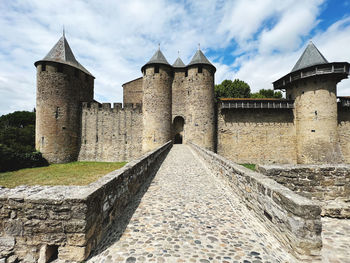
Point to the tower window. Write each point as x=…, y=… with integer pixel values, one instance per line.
x=200, y=69
x=57, y=112
x=60, y=68
x=156, y=69
x=186, y=73
x=76, y=73
x=43, y=67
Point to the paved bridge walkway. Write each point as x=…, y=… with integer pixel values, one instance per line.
x=187, y=215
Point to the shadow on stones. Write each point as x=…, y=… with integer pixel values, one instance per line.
x=117, y=228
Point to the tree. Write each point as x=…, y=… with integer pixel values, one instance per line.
x=17, y=142
x=232, y=89
x=267, y=93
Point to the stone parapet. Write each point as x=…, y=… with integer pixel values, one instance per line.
x=294, y=220
x=69, y=221
x=329, y=184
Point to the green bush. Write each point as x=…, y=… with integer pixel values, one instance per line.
x=17, y=142
x=11, y=160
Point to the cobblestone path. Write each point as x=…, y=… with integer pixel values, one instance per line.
x=187, y=215
x=336, y=240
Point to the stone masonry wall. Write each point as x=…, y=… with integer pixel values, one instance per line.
x=132, y=91
x=111, y=134
x=344, y=132
x=294, y=220
x=324, y=183
x=257, y=135
x=71, y=220
x=58, y=110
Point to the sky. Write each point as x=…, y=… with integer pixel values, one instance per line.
x=257, y=41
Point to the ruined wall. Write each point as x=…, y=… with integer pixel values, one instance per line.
x=132, y=91
x=294, y=220
x=60, y=91
x=344, y=132
x=110, y=134
x=69, y=220
x=257, y=135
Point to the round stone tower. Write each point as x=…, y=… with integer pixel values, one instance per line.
x=312, y=85
x=156, y=102
x=179, y=95
x=200, y=101
x=62, y=84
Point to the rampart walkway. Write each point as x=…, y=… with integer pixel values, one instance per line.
x=188, y=215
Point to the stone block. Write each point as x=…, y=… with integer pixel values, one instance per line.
x=72, y=253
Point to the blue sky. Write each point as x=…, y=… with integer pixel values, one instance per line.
x=257, y=41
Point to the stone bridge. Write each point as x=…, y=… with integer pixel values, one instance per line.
x=181, y=212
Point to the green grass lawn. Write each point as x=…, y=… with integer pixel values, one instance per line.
x=250, y=166
x=75, y=173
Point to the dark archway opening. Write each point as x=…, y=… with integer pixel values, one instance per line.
x=178, y=129
x=178, y=139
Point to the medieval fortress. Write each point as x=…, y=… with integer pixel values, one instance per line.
x=176, y=102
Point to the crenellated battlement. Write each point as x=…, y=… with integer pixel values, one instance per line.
x=136, y=107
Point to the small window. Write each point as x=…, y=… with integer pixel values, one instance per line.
x=60, y=68
x=156, y=69
x=200, y=69
x=96, y=138
x=42, y=141
x=57, y=113
x=43, y=67
x=313, y=130
x=186, y=73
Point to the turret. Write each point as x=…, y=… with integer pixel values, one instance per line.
x=200, y=101
x=157, y=79
x=62, y=84
x=312, y=84
x=179, y=96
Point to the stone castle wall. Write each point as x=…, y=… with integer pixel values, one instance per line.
x=200, y=109
x=156, y=105
x=60, y=91
x=344, y=132
x=132, y=91
x=257, y=135
x=316, y=120
x=110, y=134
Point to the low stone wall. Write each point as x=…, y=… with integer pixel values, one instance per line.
x=329, y=184
x=37, y=222
x=294, y=220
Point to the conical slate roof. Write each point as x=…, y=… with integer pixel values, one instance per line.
x=179, y=63
x=199, y=58
x=62, y=53
x=311, y=56
x=158, y=58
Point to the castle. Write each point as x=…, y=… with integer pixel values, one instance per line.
x=176, y=102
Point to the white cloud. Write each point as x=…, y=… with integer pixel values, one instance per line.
x=114, y=39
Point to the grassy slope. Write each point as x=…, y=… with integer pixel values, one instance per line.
x=249, y=166
x=75, y=173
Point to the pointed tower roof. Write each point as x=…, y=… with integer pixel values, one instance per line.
x=311, y=56
x=200, y=58
x=179, y=63
x=62, y=53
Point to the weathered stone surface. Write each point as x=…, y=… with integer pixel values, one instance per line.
x=329, y=184
x=293, y=219
x=36, y=220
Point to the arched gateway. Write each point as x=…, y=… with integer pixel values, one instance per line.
x=178, y=128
